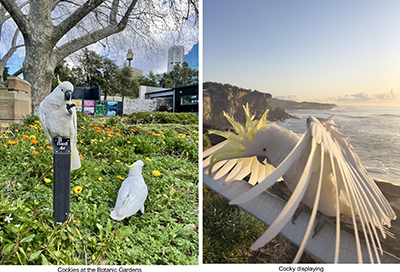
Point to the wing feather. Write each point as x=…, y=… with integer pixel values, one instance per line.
x=324, y=171
x=236, y=169
x=291, y=206
x=275, y=175
x=214, y=148
x=42, y=117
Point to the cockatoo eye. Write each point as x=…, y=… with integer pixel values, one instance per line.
x=264, y=149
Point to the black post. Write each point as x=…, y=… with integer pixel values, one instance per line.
x=62, y=176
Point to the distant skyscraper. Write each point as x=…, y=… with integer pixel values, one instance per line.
x=192, y=57
x=175, y=56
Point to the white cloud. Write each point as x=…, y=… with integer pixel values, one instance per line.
x=289, y=97
x=390, y=96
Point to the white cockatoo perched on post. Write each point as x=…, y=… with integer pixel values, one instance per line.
x=132, y=194
x=319, y=167
x=57, y=114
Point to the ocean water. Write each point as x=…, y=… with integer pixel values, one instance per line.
x=373, y=132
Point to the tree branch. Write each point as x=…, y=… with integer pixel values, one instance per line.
x=74, y=45
x=13, y=48
x=17, y=73
x=74, y=18
x=114, y=12
x=16, y=13
x=125, y=19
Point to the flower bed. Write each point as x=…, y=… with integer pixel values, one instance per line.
x=167, y=233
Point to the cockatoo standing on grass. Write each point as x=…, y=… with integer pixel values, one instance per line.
x=132, y=194
x=58, y=117
x=320, y=168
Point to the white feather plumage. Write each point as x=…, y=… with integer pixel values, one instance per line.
x=315, y=167
x=132, y=194
x=57, y=121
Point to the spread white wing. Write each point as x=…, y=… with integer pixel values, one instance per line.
x=329, y=161
x=237, y=169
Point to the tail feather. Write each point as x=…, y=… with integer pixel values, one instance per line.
x=75, y=160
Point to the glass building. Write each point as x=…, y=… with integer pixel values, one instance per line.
x=192, y=57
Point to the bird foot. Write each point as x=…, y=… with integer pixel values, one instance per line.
x=69, y=106
x=321, y=220
x=302, y=208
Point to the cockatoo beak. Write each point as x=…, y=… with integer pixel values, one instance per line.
x=67, y=95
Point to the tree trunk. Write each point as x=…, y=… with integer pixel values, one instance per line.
x=39, y=65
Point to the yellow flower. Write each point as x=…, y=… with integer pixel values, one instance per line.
x=128, y=142
x=47, y=180
x=78, y=189
x=148, y=159
x=10, y=142
x=156, y=173
x=33, y=137
x=134, y=144
x=121, y=178
x=100, y=178
x=163, y=142
x=117, y=160
x=52, y=170
x=82, y=127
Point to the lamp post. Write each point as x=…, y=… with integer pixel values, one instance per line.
x=129, y=56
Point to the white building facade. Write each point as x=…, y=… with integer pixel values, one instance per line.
x=175, y=56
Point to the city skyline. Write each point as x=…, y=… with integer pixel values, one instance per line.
x=333, y=51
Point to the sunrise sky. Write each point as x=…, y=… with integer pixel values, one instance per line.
x=335, y=51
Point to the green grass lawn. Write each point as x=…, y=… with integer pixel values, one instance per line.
x=167, y=233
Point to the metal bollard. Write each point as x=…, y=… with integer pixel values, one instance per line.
x=62, y=177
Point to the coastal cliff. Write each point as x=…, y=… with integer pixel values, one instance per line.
x=218, y=97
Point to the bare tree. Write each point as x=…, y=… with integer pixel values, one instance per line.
x=4, y=16
x=54, y=29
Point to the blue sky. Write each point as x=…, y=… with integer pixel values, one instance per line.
x=314, y=50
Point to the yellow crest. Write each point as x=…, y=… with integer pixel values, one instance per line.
x=235, y=145
x=243, y=132
x=58, y=80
